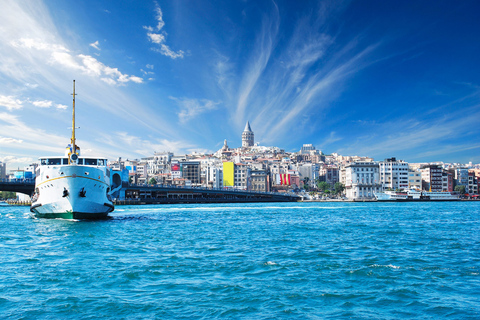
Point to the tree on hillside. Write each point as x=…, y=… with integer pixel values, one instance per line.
x=338, y=187
x=323, y=186
x=7, y=195
x=306, y=180
x=152, y=181
x=460, y=189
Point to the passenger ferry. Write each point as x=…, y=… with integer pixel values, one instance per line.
x=72, y=187
x=415, y=195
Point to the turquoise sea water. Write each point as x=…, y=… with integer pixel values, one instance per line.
x=245, y=261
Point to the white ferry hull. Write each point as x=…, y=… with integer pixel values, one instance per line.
x=72, y=192
x=413, y=195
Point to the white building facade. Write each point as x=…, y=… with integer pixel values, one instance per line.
x=393, y=174
x=362, y=180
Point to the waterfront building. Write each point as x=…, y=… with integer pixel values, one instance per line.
x=241, y=176
x=3, y=170
x=235, y=175
x=472, y=184
x=432, y=177
x=393, y=174
x=461, y=177
x=247, y=136
x=259, y=181
x=309, y=171
x=329, y=174
x=362, y=180
x=214, y=176
x=447, y=181
x=191, y=172
x=414, y=179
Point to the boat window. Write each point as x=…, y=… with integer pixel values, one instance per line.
x=90, y=162
x=44, y=162
x=54, y=161
x=101, y=162
x=65, y=161
x=80, y=161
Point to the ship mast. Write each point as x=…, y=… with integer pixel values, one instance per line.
x=74, y=147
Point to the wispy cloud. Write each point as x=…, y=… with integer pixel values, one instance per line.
x=4, y=140
x=257, y=64
x=154, y=35
x=132, y=144
x=289, y=76
x=14, y=159
x=191, y=108
x=95, y=45
x=32, y=138
x=59, y=55
x=415, y=137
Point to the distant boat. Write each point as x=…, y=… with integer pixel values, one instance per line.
x=3, y=203
x=72, y=187
x=415, y=195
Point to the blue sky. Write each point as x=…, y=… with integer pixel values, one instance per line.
x=369, y=78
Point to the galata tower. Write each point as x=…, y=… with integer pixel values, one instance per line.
x=247, y=136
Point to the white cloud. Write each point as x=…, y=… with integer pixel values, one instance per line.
x=159, y=38
x=166, y=51
x=160, y=22
x=156, y=37
x=149, y=66
x=95, y=45
x=59, y=55
x=38, y=44
x=4, y=140
x=10, y=102
x=191, y=108
x=42, y=103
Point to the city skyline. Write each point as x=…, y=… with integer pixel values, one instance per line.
x=370, y=78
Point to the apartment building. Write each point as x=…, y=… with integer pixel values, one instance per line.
x=394, y=174
x=432, y=177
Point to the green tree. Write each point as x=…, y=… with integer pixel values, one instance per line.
x=460, y=189
x=338, y=187
x=152, y=181
x=306, y=180
x=323, y=186
x=130, y=179
x=7, y=195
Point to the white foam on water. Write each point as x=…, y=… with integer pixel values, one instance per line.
x=385, y=266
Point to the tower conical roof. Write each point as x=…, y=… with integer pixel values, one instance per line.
x=247, y=127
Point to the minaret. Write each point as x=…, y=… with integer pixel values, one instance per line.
x=247, y=136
